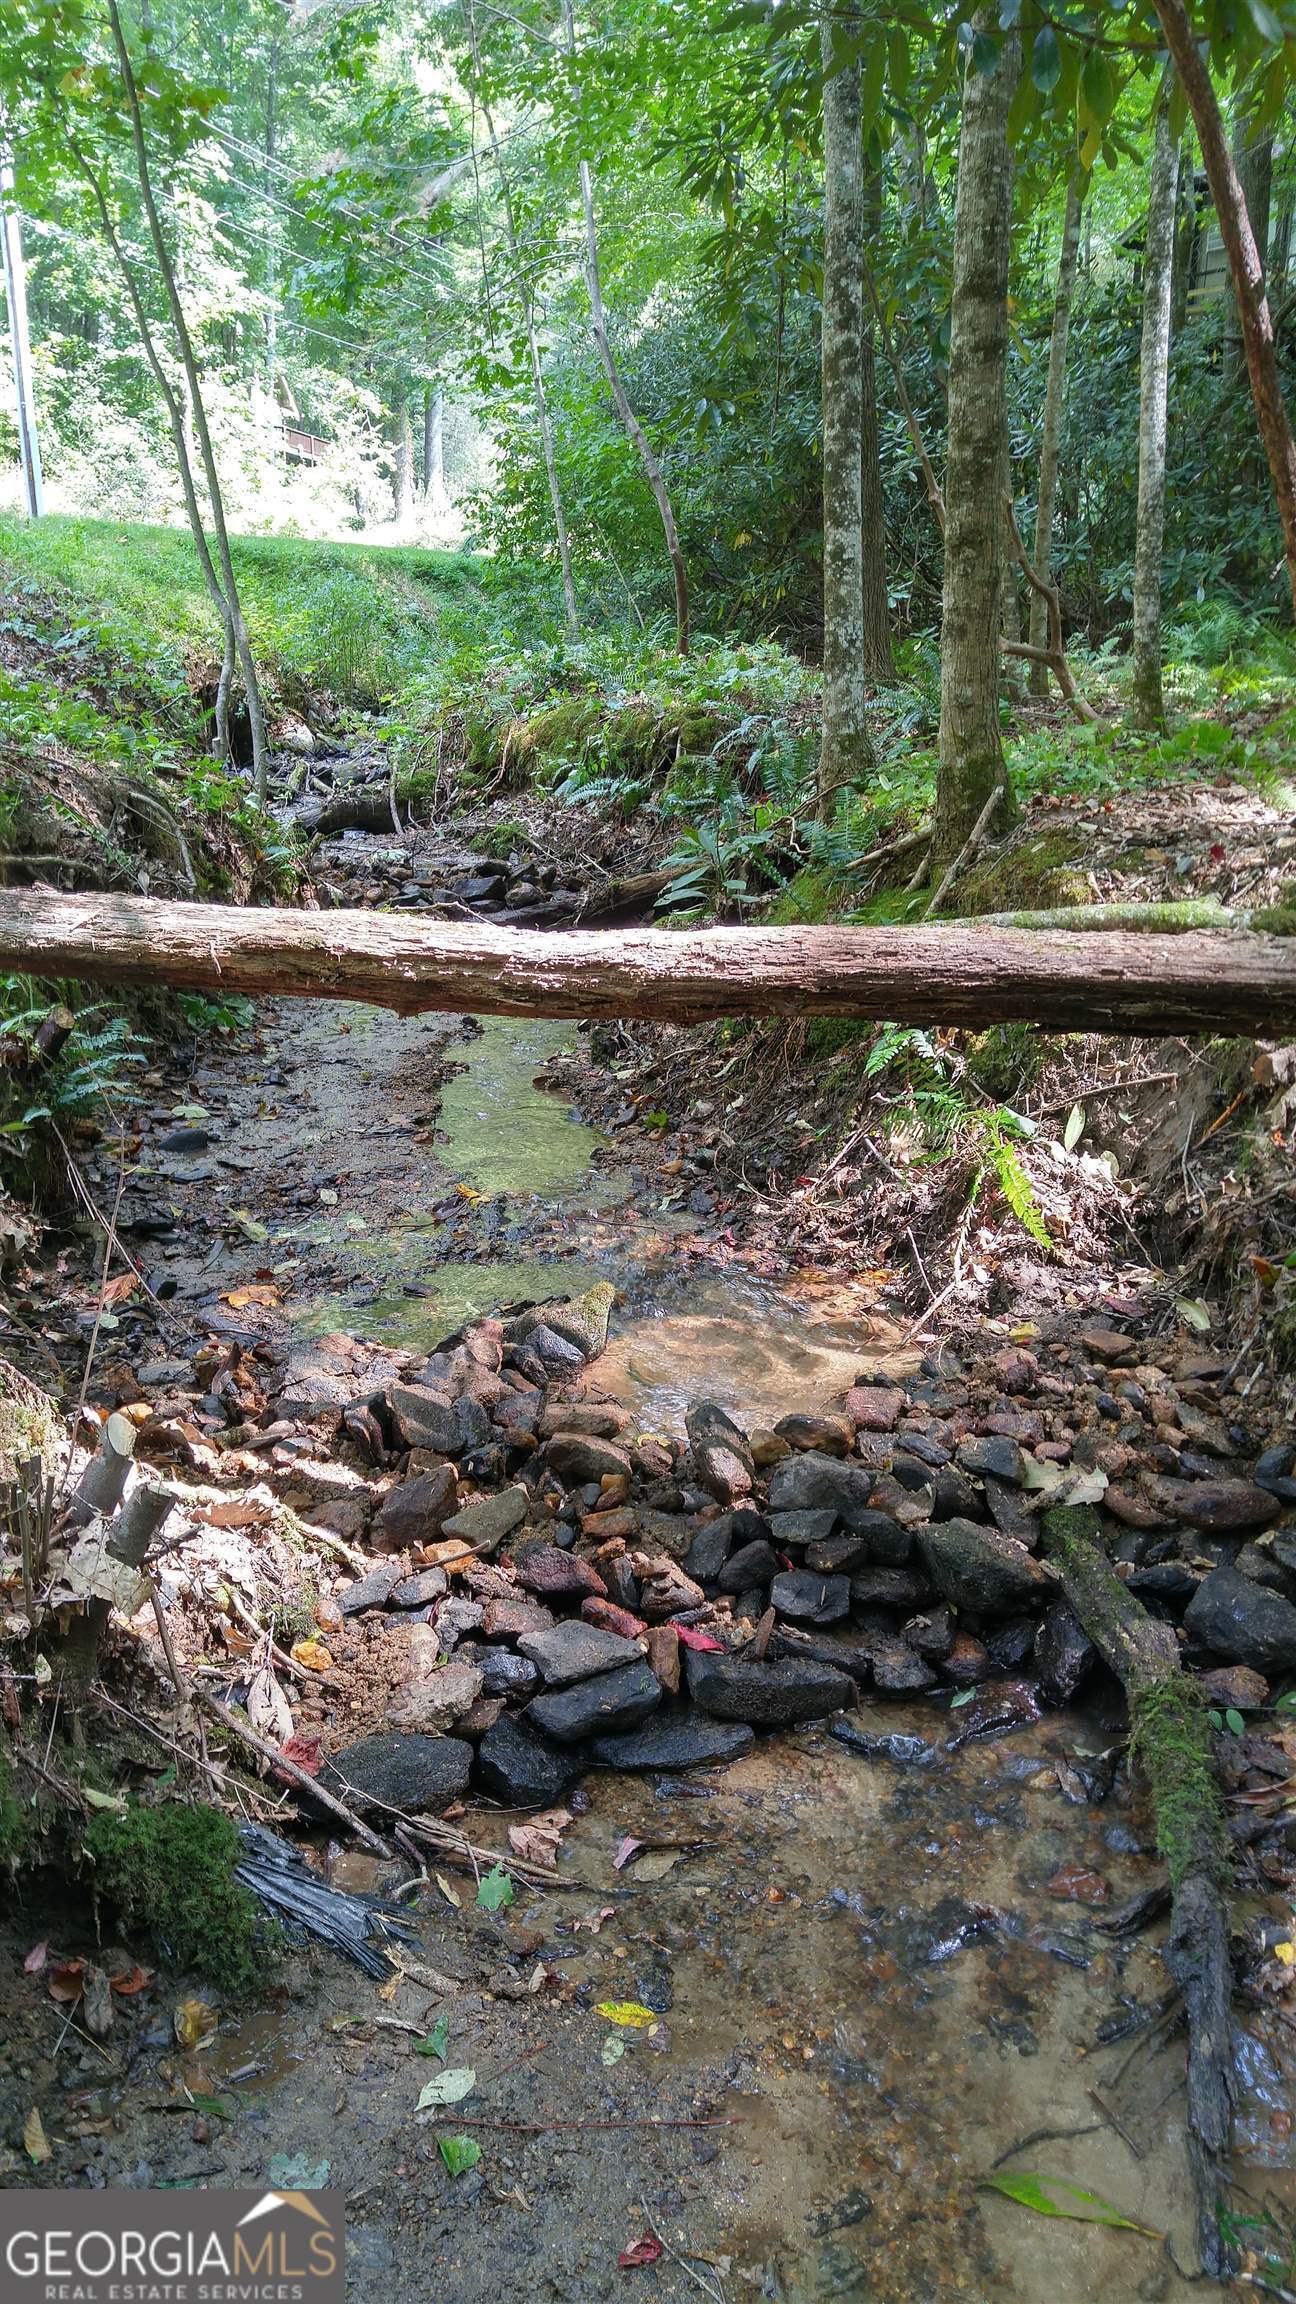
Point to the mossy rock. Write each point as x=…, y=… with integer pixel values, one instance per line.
x=807, y=901
x=1279, y=919
x=170, y=1869
x=30, y=1424
x=1035, y=872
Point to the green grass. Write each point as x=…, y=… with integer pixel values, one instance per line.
x=355, y=621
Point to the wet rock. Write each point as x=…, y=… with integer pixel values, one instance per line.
x=1011, y=1643
x=580, y=1320
x=930, y=1635
x=593, y=1419
x=1166, y=1581
x=558, y=1575
x=710, y=1549
x=505, y=1673
x=1004, y=1704
x=880, y=1586
x=605, y=1706
x=979, y=1570
x=767, y=1694
x=413, y=1772
x=804, y=1598
x=664, y=1657
x=896, y=1669
x=576, y=1651
x=415, y=1512
x=1235, y=1687
x=373, y=1590
x=420, y=1591
x=557, y=1355
x=674, y=1742
x=767, y=1448
x=790, y=1531
x=996, y=1455
x=577, y=1457
x=436, y=1699
x=1220, y=1507
x=524, y=1770
x=1244, y=1622
x=875, y=1407
x=904, y=1750
x=722, y=1457
x=1064, y=1655
x=831, y=1435
x=489, y=1519
x=967, y=1663
x=837, y=1555
x=748, y=1568
x=814, y=1482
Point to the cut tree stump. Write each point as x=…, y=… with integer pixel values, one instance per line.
x=942, y=974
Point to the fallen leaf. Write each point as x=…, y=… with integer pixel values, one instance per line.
x=268, y=1708
x=496, y=1892
x=1080, y=1885
x=690, y=1637
x=312, y=1655
x=296, y=2173
x=1034, y=2191
x=460, y=2153
x=447, y=2087
x=450, y=1893
x=593, y=1921
x=630, y=2013
x=116, y=1291
x=36, y=1958
x=131, y=1981
x=645, y=2251
x=436, y=2041
x=256, y=1292
x=1286, y=1953
x=305, y=1753
x=66, y=1982
x=36, y=2143
x=614, y=2048
x=97, y=2013
x=657, y=1863
x=194, y=2023
x=249, y=1224
x=628, y=1847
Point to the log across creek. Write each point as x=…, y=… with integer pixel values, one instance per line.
x=949, y=973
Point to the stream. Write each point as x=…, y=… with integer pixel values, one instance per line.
x=878, y=1968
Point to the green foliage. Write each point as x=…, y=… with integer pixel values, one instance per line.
x=229, y=1012
x=1172, y=1744
x=16, y=1827
x=170, y=1870
x=95, y=1069
x=941, y=1093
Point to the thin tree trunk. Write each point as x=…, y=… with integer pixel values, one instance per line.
x=846, y=753
x=1147, y=708
x=1245, y=265
x=1253, y=159
x=184, y=343
x=879, y=663
x=972, y=764
x=1051, y=435
x=527, y=301
x=272, y=221
x=1185, y=235
x=1201, y=982
x=404, y=491
x=630, y=423
x=434, y=481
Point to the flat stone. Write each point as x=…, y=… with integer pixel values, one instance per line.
x=507, y=1619
x=557, y=1355
x=980, y=1570
x=897, y=1671
x=1110, y=1345
x=710, y=1549
x=489, y=1519
x=420, y=1591
x=745, y=1569
x=791, y=1531
x=1064, y=1653
x=830, y=1435
x=664, y=1656
x=880, y=1586
x=413, y=1772
x=558, y=1575
x=722, y=1456
x=581, y=1320
x=424, y=1418
x=994, y=1454
x=837, y=1555
x=505, y=1673
x=591, y=1419
x=767, y=1694
x=576, y=1651
x=814, y=1482
x=433, y=1702
x=610, y=1618
x=604, y=1706
x=578, y=1458
x=373, y=1590
x=524, y=1770
x=1235, y=1686
x=674, y=1743
x=1220, y=1507
x=415, y=1511
x=805, y=1598
x=874, y=1407
x=1244, y=1622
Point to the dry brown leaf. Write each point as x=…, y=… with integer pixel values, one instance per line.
x=256, y=1292
x=195, y=2023
x=36, y=2143
x=538, y=1840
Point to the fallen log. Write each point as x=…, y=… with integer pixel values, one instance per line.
x=942, y=974
x=1171, y=1743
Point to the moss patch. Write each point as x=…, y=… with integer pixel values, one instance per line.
x=1172, y=1744
x=1042, y=869
x=170, y=1869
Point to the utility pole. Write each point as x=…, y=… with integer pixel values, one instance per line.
x=15, y=280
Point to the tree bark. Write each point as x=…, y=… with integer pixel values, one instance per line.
x=879, y=663
x=1051, y=434
x=1253, y=159
x=1147, y=707
x=846, y=753
x=972, y=764
x=434, y=479
x=188, y=361
x=932, y=975
x=404, y=490
x=1245, y=265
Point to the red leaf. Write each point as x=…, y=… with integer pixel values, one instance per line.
x=304, y=1752
x=629, y=1847
x=645, y=2251
x=131, y=1981
x=692, y=1638
x=67, y=1982
x=35, y=1959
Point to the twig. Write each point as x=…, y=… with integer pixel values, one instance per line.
x=969, y=847
x=1044, y=2136
x=458, y=2119
x=1113, y=2119
x=285, y=1767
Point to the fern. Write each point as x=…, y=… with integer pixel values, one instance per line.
x=1014, y=1183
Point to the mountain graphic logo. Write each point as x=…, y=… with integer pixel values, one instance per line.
x=270, y=2201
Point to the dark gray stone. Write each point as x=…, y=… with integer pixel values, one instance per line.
x=373, y=1590
x=602, y=1707
x=837, y=1555
x=996, y=1455
x=883, y=1587
x=576, y=1651
x=889, y=1544
x=523, y=1770
x=710, y=1549
x=1244, y=1622
x=754, y=1565
x=411, y=1772
x=1064, y=1653
x=979, y=1570
x=675, y=1742
x=577, y=1457
x=767, y=1694
x=506, y=1674
x=419, y=1591
x=818, y=1483
x=805, y=1598
x=793, y=1530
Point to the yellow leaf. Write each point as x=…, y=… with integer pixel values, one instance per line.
x=36, y=2143
x=630, y=2013
x=1286, y=1953
x=313, y=1655
x=195, y=2024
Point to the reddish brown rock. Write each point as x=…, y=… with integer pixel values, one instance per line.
x=1235, y=1687
x=874, y=1407
x=967, y=1663
x=1110, y=1345
x=610, y=1618
x=508, y=1619
x=595, y=1419
x=416, y=1510
x=831, y=1435
x=604, y=1527
x=558, y=1575
x=664, y=1656
x=1079, y=1885
x=1219, y=1507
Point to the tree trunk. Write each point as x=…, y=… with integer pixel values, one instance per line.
x=1051, y=435
x=972, y=764
x=846, y=754
x=879, y=663
x=1245, y=265
x=404, y=488
x=930, y=975
x=1147, y=709
x=184, y=345
x=1185, y=235
x=1253, y=159
x=434, y=479
x=526, y=299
